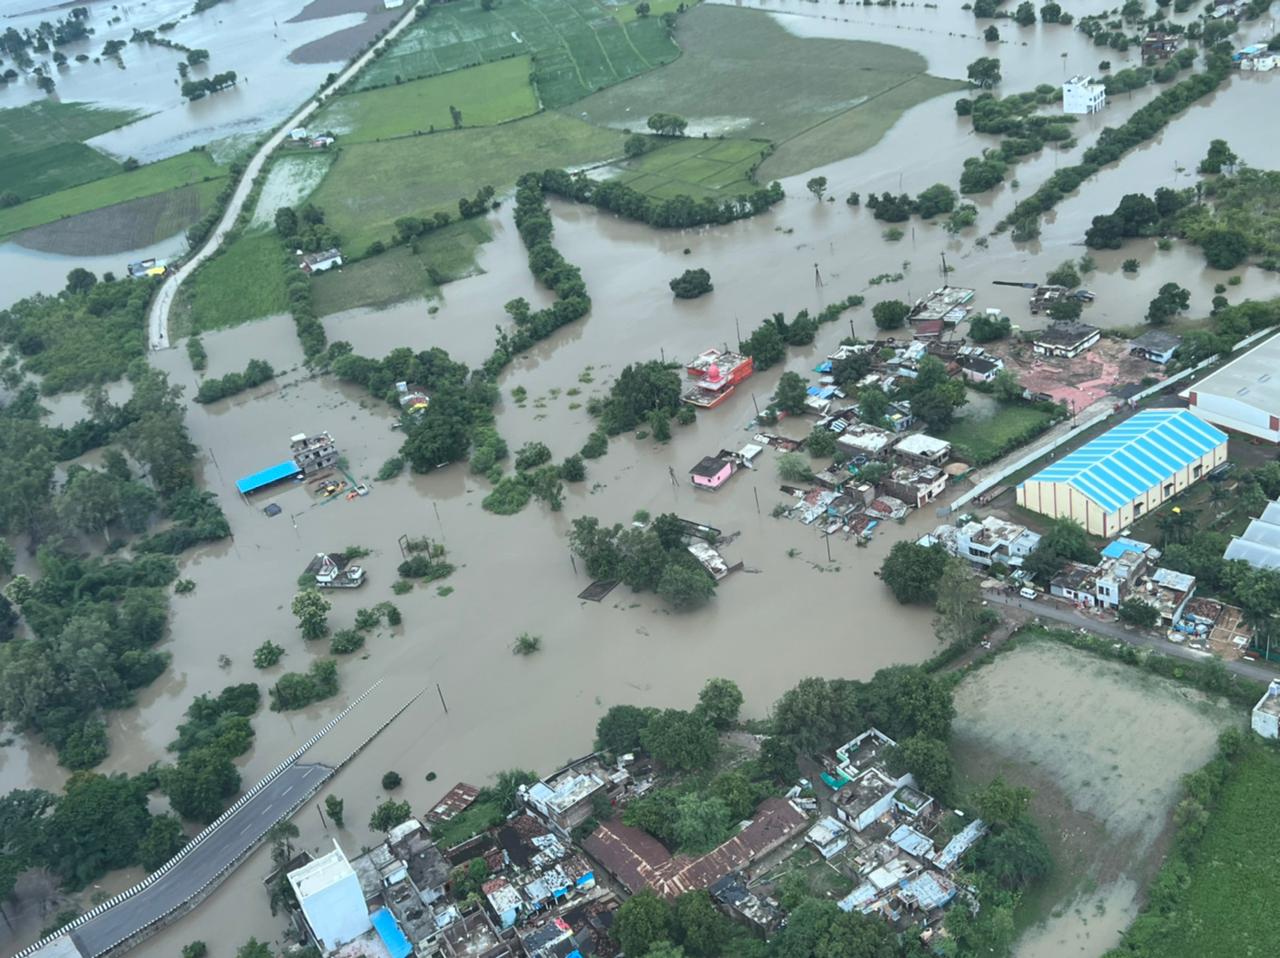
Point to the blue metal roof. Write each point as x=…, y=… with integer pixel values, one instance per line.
x=390, y=933
x=1117, y=548
x=266, y=477
x=1125, y=462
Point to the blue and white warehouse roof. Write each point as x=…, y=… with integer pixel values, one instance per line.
x=1142, y=452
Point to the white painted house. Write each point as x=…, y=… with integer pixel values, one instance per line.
x=1081, y=94
x=1266, y=714
x=332, y=900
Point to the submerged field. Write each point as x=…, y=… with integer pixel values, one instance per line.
x=577, y=45
x=714, y=169
x=984, y=427
x=373, y=184
x=741, y=73
x=186, y=169
x=1104, y=747
x=485, y=95
x=42, y=146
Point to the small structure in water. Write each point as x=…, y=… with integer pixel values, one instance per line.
x=334, y=571
x=715, y=375
x=313, y=453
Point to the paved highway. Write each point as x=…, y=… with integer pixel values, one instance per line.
x=236, y=835
x=158, y=318
x=1048, y=609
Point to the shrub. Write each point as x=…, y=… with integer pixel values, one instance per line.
x=267, y=655
x=526, y=644
x=346, y=641
x=390, y=781
x=390, y=469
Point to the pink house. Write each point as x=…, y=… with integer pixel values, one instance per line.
x=712, y=472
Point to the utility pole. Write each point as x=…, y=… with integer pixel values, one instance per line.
x=442, y=701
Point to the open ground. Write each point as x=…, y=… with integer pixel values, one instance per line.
x=1103, y=747
x=484, y=95
x=576, y=45
x=742, y=73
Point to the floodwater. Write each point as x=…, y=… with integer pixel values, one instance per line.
x=28, y=271
x=784, y=618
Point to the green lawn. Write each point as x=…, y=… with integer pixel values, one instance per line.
x=486, y=94
x=473, y=821
x=984, y=429
x=399, y=273
x=1226, y=906
x=372, y=184
x=577, y=46
x=177, y=171
x=742, y=74
x=714, y=169
x=243, y=282
x=42, y=149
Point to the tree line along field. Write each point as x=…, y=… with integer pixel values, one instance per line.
x=186, y=169
x=701, y=169
x=42, y=147
x=577, y=46
x=485, y=95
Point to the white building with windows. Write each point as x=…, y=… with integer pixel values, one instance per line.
x=332, y=899
x=1081, y=94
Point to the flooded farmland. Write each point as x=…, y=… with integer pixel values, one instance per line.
x=789, y=614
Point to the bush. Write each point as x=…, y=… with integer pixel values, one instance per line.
x=573, y=469
x=267, y=655
x=256, y=373
x=346, y=641
x=691, y=284
x=526, y=644
x=596, y=445
x=390, y=781
x=390, y=469
x=531, y=455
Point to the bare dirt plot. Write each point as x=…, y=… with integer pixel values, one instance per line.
x=1104, y=748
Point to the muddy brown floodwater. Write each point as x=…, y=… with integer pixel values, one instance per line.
x=789, y=616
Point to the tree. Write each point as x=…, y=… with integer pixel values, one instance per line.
x=701, y=929
x=691, y=284
x=1025, y=15
x=680, y=740
x=312, y=610
x=388, y=815
x=642, y=8
x=793, y=468
x=817, y=186
x=1015, y=855
x=912, y=572
x=195, y=949
x=937, y=199
x=508, y=785
x=719, y=703
x=390, y=781
x=1064, y=274
x=1134, y=611
x=254, y=949
x=1225, y=248
x=199, y=785
x=986, y=329
x=984, y=72
x=1050, y=12
x=819, y=929
x=991, y=34
x=1064, y=541
x=333, y=806
x=643, y=920
x=95, y=827
x=701, y=823
x=1065, y=310
x=620, y=728
x=890, y=314
x=267, y=655
x=1219, y=155
x=738, y=793
x=80, y=280
x=1000, y=804
x=684, y=587
x=1005, y=387
x=791, y=394
x=959, y=620
x=637, y=144
x=667, y=124
x=821, y=443
x=162, y=841
x=929, y=760
x=1171, y=300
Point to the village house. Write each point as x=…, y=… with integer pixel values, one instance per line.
x=865, y=440
x=455, y=801
x=711, y=472
x=405, y=877
x=915, y=485
x=979, y=369
x=1081, y=95
x=1065, y=340
x=829, y=836
x=987, y=542
x=564, y=799
x=735, y=899
x=319, y=262
x=715, y=374
x=1266, y=714
x=920, y=450
x=1160, y=45
x=1156, y=346
x=332, y=902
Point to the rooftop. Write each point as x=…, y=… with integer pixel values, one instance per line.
x=862, y=752
x=1065, y=334
x=1157, y=341
x=1250, y=378
x=865, y=790
x=1270, y=701
x=320, y=873
x=455, y=801
x=1127, y=460
x=918, y=444
x=709, y=467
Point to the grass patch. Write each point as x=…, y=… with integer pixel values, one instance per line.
x=292, y=178
x=983, y=433
x=743, y=74
x=177, y=171
x=400, y=273
x=1224, y=907
x=576, y=46
x=42, y=149
x=702, y=169
x=486, y=94
x=473, y=821
x=371, y=185
x=244, y=282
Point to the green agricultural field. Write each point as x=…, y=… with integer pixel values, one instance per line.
x=399, y=273
x=486, y=94
x=243, y=282
x=373, y=184
x=983, y=428
x=577, y=46
x=1225, y=906
x=625, y=10
x=177, y=171
x=714, y=169
x=42, y=148
x=742, y=74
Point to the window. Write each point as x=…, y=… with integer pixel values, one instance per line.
x=1137, y=509
x=1168, y=488
x=1195, y=472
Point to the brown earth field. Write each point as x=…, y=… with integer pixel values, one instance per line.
x=122, y=226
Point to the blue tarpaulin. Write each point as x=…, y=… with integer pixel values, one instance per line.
x=285, y=470
x=390, y=933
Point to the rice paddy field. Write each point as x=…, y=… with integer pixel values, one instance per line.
x=578, y=46
x=714, y=169
x=183, y=170
x=373, y=184
x=400, y=273
x=486, y=94
x=742, y=74
x=42, y=147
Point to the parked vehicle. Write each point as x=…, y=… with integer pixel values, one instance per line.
x=1028, y=593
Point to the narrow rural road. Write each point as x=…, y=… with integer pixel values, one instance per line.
x=158, y=318
x=240, y=832
x=1048, y=609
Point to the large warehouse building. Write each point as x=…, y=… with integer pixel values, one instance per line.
x=1127, y=471
x=1244, y=395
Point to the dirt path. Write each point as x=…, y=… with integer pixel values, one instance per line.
x=158, y=318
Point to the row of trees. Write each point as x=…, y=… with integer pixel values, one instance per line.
x=303, y=230
x=767, y=344
x=196, y=89
x=256, y=372
x=650, y=559
x=931, y=202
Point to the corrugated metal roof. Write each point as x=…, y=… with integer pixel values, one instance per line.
x=1260, y=544
x=267, y=476
x=1144, y=451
